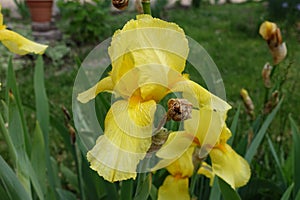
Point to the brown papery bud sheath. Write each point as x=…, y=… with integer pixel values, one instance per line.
x=120, y=4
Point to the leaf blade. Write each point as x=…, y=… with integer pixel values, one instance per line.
x=227, y=192
x=12, y=183
x=286, y=195
x=296, y=141
x=261, y=133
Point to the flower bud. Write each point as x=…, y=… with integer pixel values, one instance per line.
x=120, y=4
x=279, y=53
x=248, y=102
x=158, y=139
x=266, y=72
x=272, y=102
x=179, y=109
x=271, y=33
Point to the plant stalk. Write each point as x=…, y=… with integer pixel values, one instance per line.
x=146, y=7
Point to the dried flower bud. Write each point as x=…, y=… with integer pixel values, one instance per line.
x=158, y=139
x=266, y=72
x=66, y=113
x=120, y=4
x=248, y=102
x=179, y=109
x=11, y=95
x=271, y=33
x=279, y=53
x=272, y=102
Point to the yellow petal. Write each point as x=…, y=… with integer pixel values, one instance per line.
x=20, y=45
x=192, y=90
x=145, y=41
x=174, y=188
x=132, y=117
x=225, y=135
x=230, y=166
x=208, y=125
x=118, y=152
x=183, y=166
x=177, y=143
x=105, y=84
x=206, y=170
x=267, y=30
x=199, y=96
x=111, y=162
x=151, y=81
x=207, y=122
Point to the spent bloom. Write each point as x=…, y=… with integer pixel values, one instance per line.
x=17, y=43
x=148, y=56
x=271, y=33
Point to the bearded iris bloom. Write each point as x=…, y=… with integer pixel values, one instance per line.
x=146, y=62
x=226, y=164
x=148, y=57
x=17, y=43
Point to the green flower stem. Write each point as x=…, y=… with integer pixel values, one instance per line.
x=146, y=7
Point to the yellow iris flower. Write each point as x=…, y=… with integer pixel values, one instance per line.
x=148, y=57
x=226, y=163
x=17, y=43
x=146, y=62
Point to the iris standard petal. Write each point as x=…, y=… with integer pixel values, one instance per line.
x=19, y=44
x=193, y=92
x=174, y=188
x=207, y=124
x=199, y=96
x=147, y=40
x=225, y=135
x=177, y=143
x=105, y=84
x=118, y=152
x=229, y=166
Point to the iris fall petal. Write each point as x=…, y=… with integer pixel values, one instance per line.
x=19, y=44
x=105, y=84
x=117, y=153
x=230, y=166
x=174, y=188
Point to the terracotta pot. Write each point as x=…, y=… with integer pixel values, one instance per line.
x=40, y=10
